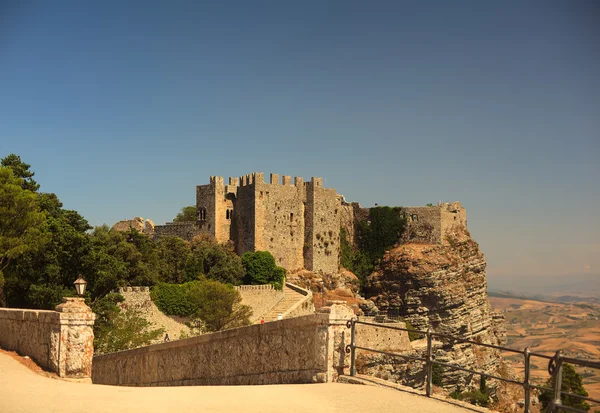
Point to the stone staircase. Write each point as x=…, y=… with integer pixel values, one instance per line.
x=290, y=298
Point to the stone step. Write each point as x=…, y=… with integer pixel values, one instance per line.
x=290, y=297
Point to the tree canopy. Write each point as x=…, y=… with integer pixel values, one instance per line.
x=21, y=221
x=21, y=170
x=260, y=268
x=571, y=383
x=187, y=214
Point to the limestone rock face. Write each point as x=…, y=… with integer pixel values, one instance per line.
x=442, y=287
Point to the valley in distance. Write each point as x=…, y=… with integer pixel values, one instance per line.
x=567, y=320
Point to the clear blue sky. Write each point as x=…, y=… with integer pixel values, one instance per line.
x=122, y=107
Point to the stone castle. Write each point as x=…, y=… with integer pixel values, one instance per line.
x=298, y=222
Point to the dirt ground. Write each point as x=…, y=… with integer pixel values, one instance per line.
x=23, y=391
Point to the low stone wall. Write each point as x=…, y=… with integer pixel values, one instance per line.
x=303, y=307
x=261, y=298
x=298, y=350
x=382, y=338
x=61, y=341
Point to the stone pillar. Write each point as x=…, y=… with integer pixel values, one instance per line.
x=338, y=362
x=75, y=348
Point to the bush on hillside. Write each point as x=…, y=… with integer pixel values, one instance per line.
x=211, y=305
x=260, y=268
x=172, y=299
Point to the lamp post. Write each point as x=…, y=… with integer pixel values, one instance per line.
x=80, y=285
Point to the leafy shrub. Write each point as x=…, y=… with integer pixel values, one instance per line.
x=172, y=299
x=412, y=332
x=437, y=374
x=218, y=305
x=261, y=269
x=571, y=383
x=211, y=305
x=116, y=330
x=374, y=237
x=476, y=397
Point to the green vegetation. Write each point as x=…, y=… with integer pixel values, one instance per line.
x=45, y=247
x=571, y=383
x=374, y=237
x=475, y=397
x=115, y=330
x=261, y=269
x=212, y=305
x=187, y=214
x=413, y=334
x=478, y=397
x=172, y=299
x=437, y=374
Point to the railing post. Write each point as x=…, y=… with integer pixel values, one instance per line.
x=428, y=365
x=527, y=355
x=557, y=381
x=351, y=348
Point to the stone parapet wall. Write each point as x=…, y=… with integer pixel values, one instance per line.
x=304, y=306
x=298, y=350
x=261, y=298
x=185, y=230
x=60, y=341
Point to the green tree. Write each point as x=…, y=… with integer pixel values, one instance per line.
x=187, y=214
x=21, y=170
x=174, y=254
x=373, y=237
x=261, y=269
x=571, y=383
x=218, y=305
x=117, y=330
x=217, y=261
x=21, y=222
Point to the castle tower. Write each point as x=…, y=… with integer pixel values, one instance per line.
x=322, y=228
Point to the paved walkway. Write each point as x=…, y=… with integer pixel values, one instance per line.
x=22, y=391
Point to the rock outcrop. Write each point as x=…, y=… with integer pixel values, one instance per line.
x=442, y=287
x=137, y=223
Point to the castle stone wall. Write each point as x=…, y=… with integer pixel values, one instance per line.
x=423, y=224
x=453, y=220
x=205, y=206
x=244, y=213
x=185, y=230
x=323, y=241
x=60, y=341
x=279, y=222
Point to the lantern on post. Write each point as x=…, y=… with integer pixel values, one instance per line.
x=80, y=284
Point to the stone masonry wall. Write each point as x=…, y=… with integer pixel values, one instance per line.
x=60, y=341
x=280, y=221
x=322, y=240
x=261, y=298
x=423, y=224
x=297, y=350
x=324, y=206
x=185, y=230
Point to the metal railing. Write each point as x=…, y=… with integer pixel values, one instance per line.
x=555, y=365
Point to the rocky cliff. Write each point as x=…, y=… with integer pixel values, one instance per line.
x=442, y=287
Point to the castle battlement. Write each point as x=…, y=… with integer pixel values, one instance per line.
x=299, y=223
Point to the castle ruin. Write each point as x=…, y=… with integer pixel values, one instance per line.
x=297, y=222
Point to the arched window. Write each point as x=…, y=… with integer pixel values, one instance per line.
x=202, y=214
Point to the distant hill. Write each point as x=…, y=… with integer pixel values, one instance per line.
x=545, y=298
x=574, y=288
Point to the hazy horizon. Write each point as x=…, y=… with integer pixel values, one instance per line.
x=122, y=108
